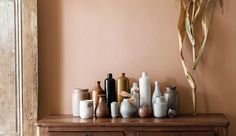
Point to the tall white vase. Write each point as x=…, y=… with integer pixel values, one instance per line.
x=156, y=92
x=145, y=90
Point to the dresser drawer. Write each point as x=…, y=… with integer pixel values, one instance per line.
x=176, y=134
x=86, y=134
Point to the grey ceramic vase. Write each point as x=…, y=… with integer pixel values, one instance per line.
x=127, y=110
x=172, y=98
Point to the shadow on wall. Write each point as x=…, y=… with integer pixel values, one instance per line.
x=50, y=56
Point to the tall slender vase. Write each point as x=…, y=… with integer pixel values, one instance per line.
x=110, y=89
x=156, y=92
x=122, y=84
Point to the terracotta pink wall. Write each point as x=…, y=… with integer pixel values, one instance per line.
x=80, y=41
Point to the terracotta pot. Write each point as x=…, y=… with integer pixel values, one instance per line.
x=145, y=111
x=102, y=110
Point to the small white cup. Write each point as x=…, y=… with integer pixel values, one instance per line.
x=86, y=109
x=114, y=110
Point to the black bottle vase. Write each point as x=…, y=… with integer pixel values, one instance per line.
x=110, y=89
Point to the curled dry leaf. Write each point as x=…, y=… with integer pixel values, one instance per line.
x=132, y=100
x=124, y=94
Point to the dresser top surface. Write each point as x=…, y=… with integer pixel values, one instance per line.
x=182, y=120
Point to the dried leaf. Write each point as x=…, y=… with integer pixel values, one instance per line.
x=206, y=21
x=189, y=26
x=124, y=94
x=181, y=34
x=132, y=100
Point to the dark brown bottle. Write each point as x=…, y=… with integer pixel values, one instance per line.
x=110, y=89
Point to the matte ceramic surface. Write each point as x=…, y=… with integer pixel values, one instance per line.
x=145, y=89
x=78, y=95
x=172, y=98
x=156, y=92
x=96, y=91
x=114, y=110
x=160, y=107
x=102, y=110
x=86, y=109
x=122, y=84
x=127, y=110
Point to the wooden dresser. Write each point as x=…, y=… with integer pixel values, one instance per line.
x=184, y=125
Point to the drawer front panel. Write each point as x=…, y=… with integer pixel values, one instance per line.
x=86, y=134
x=176, y=134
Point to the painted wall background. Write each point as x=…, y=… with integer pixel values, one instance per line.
x=80, y=41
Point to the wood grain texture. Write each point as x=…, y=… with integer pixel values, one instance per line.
x=18, y=67
x=30, y=65
x=199, y=120
x=9, y=76
x=185, y=125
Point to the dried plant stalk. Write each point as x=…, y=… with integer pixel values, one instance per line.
x=191, y=12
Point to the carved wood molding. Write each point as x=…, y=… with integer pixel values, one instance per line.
x=19, y=67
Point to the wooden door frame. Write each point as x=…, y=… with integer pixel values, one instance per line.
x=29, y=49
x=20, y=17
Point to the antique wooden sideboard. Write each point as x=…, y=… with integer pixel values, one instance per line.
x=184, y=125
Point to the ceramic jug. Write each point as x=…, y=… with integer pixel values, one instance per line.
x=156, y=92
x=96, y=91
x=160, y=107
x=135, y=92
x=145, y=90
x=172, y=99
x=110, y=89
x=122, y=84
x=78, y=94
x=127, y=110
x=102, y=109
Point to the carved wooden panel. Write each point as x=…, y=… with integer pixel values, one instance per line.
x=10, y=119
x=18, y=67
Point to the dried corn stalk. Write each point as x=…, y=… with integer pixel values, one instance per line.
x=194, y=14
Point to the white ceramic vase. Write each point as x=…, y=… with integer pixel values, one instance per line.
x=160, y=107
x=114, y=109
x=156, y=92
x=145, y=90
x=127, y=110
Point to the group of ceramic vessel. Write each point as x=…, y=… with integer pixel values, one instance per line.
x=139, y=101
